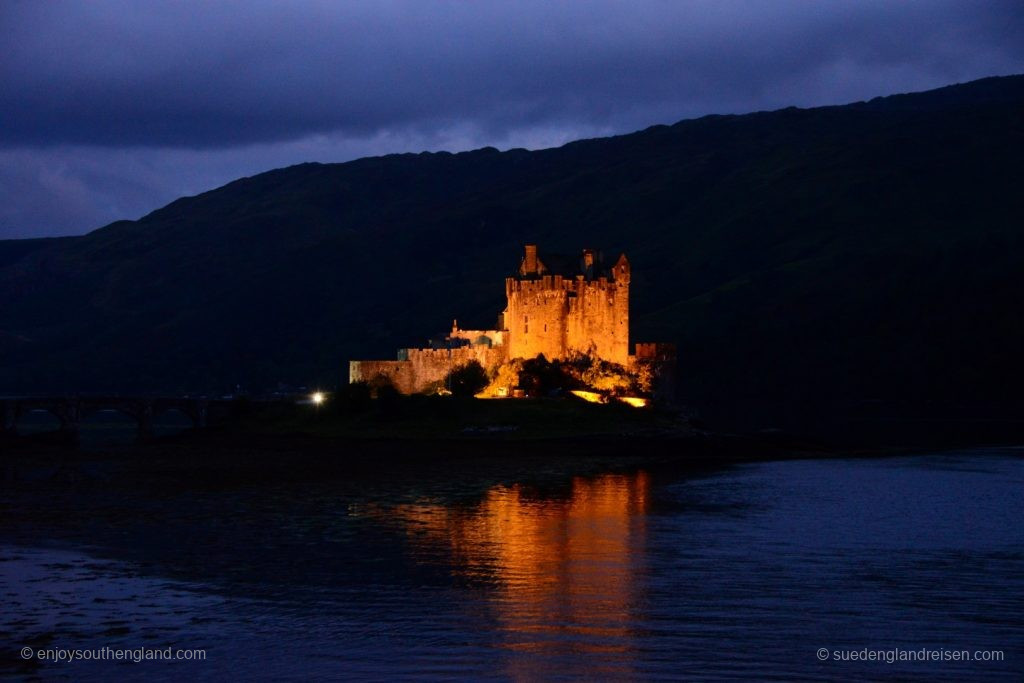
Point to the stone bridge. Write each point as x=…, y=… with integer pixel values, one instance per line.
x=71, y=410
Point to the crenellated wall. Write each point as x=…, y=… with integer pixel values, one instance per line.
x=651, y=351
x=598, y=320
x=419, y=369
x=557, y=316
x=535, y=316
x=398, y=372
x=659, y=359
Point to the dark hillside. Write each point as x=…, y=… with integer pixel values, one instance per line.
x=806, y=261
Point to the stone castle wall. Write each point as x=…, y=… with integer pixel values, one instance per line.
x=659, y=359
x=535, y=317
x=661, y=351
x=598, y=321
x=419, y=369
x=397, y=372
x=556, y=316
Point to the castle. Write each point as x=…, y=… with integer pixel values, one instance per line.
x=571, y=307
x=556, y=306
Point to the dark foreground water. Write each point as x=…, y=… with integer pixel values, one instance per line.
x=533, y=573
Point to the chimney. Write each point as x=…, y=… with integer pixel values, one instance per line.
x=588, y=259
x=530, y=262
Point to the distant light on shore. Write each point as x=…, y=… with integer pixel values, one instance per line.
x=317, y=397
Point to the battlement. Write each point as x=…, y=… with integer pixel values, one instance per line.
x=556, y=284
x=428, y=355
x=655, y=351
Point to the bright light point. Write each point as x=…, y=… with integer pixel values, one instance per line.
x=318, y=397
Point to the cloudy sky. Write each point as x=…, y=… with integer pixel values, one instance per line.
x=110, y=109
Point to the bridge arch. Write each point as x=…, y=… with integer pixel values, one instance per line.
x=36, y=421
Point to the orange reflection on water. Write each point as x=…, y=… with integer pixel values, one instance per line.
x=562, y=569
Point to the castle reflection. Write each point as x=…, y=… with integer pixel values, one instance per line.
x=561, y=570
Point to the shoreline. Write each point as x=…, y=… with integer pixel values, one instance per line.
x=416, y=434
x=242, y=456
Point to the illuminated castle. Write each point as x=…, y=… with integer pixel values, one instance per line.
x=556, y=306
x=568, y=307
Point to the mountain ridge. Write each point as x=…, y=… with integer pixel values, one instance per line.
x=826, y=230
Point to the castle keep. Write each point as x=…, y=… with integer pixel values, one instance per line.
x=556, y=306
x=571, y=307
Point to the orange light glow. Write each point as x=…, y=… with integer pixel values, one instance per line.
x=634, y=401
x=575, y=557
x=589, y=396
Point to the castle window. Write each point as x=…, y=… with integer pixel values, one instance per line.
x=526, y=329
x=545, y=327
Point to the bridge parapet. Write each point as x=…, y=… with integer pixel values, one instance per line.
x=71, y=410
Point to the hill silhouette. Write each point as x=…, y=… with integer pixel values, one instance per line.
x=804, y=260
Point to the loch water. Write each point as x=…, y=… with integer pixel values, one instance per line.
x=539, y=571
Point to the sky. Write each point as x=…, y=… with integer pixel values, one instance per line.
x=111, y=109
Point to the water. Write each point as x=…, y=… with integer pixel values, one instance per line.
x=530, y=572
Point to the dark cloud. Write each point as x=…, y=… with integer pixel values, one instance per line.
x=102, y=101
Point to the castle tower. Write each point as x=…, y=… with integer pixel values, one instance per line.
x=560, y=306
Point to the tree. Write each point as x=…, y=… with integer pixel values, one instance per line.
x=541, y=377
x=468, y=379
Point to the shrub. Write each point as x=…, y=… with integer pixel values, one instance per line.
x=467, y=380
x=388, y=399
